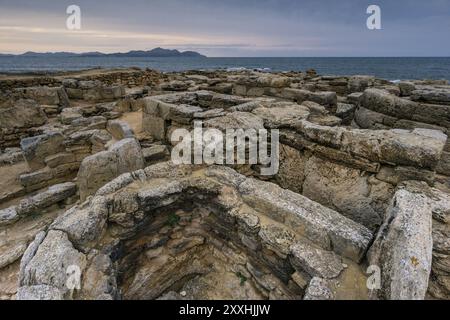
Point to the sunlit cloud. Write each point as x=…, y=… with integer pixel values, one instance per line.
x=17, y=38
x=92, y=34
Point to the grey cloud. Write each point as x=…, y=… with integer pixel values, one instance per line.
x=245, y=27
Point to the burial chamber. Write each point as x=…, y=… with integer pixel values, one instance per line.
x=207, y=232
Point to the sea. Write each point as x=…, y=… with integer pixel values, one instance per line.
x=389, y=68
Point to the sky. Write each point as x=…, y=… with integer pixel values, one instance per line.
x=230, y=28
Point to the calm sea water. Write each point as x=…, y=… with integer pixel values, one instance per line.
x=387, y=68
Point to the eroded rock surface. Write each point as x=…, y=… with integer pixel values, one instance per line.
x=86, y=187
x=404, y=245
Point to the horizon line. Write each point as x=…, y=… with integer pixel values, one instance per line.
x=225, y=57
x=222, y=57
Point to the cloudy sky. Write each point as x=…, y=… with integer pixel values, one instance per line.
x=230, y=27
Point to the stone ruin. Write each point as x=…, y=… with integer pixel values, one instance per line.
x=363, y=183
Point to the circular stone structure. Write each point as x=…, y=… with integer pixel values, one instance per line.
x=207, y=232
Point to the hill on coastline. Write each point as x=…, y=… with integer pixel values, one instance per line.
x=154, y=53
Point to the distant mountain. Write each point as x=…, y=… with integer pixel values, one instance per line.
x=155, y=53
x=53, y=54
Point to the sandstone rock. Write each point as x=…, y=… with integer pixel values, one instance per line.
x=37, y=179
x=174, y=86
x=197, y=78
x=347, y=190
x=87, y=84
x=91, y=123
x=83, y=224
x=325, y=120
x=225, y=175
x=12, y=255
x=277, y=238
x=100, y=278
x=152, y=121
x=37, y=148
x=225, y=88
x=120, y=129
x=300, y=280
x=368, y=119
x=112, y=93
x=183, y=113
x=8, y=216
x=315, y=108
x=432, y=95
x=58, y=159
x=39, y=292
x=281, y=116
x=70, y=83
x=394, y=146
x=360, y=83
x=213, y=113
x=50, y=110
x=97, y=170
x=323, y=98
x=75, y=93
x=49, y=266
x=291, y=174
x=94, y=94
x=53, y=195
x=184, y=244
x=155, y=153
x=21, y=114
x=406, y=88
x=396, y=175
x=345, y=111
x=318, y=289
x=98, y=139
x=129, y=155
x=444, y=165
x=354, y=98
x=94, y=91
x=316, y=262
x=403, y=247
x=252, y=105
x=235, y=120
x=29, y=253
x=172, y=296
x=266, y=80
x=382, y=102
x=219, y=101
x=11, y=156
x=240, y=90
x=129, y=104
x=321, y=225
x=45, y=95
x=68, y=115
x=156, y=196
x=155, y=126
x=440, y=206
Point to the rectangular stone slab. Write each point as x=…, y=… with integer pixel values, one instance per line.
x=323, y=226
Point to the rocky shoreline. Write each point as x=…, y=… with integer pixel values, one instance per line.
x=87, y=181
